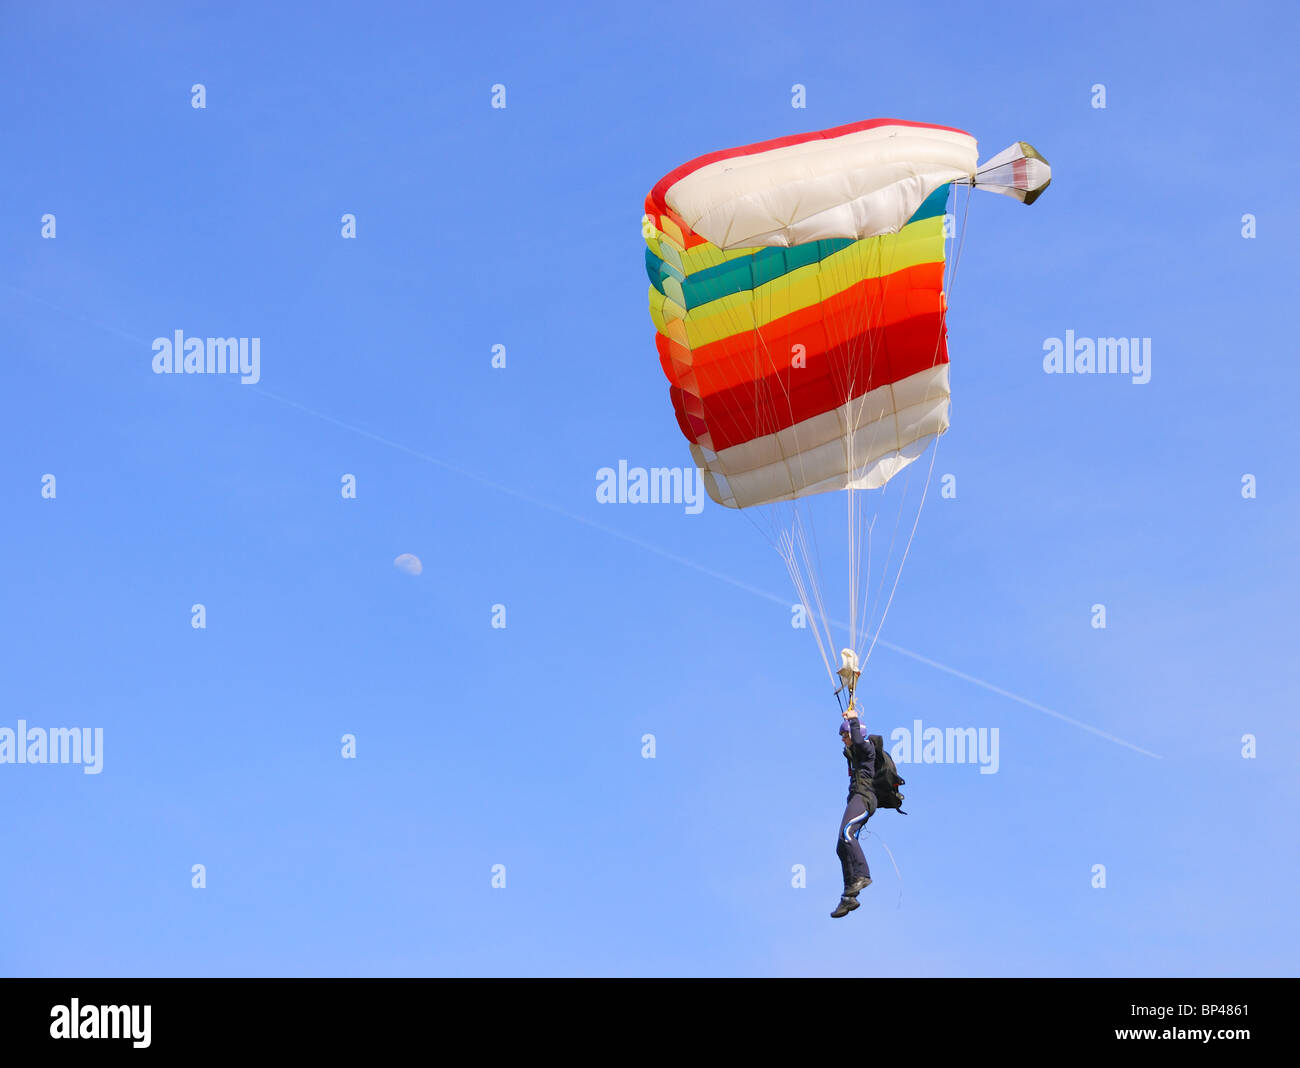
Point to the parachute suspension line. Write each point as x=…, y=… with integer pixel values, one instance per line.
x=853, y=556
x=884, y=572
x=851, y=413
x=794, y=548
x=860, y=594
x=854, y=560
x=858, y=500
x=791, y=535
x=934, y=452
x=810, y=563
x=952, y=262
x=865, y=596
x=934, y=448
x=862, y=526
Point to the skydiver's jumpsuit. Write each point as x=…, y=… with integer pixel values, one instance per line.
x=861, y=757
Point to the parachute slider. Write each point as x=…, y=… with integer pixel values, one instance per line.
x=848, y=671
x=1018, y=171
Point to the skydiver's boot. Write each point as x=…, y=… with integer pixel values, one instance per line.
x=847, y=904
x=857, y=886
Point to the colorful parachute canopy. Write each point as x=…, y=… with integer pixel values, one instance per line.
x=797, y=290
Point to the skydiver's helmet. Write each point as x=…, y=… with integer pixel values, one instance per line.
x=844, y=731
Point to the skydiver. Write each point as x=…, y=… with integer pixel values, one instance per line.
x=861, y=757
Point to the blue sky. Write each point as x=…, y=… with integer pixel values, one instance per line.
x=522, y=746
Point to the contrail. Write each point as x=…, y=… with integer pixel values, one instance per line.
x=519, y=495
x=684, y=562
x=621, y=535
x=1021, y=700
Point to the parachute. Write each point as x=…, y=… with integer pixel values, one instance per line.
x=798, y=292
